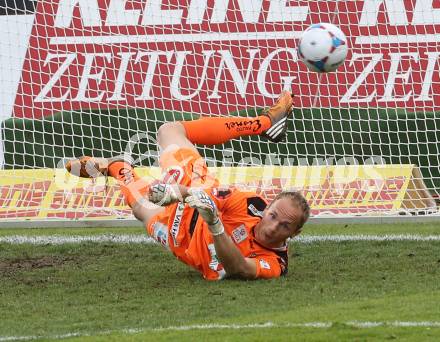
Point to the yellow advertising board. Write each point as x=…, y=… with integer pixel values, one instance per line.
x=351, y=190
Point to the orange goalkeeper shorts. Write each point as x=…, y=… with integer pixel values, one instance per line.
x=187, y=167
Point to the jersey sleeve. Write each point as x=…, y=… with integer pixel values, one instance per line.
x=268, y=267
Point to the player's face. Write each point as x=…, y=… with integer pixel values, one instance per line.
x=279, y=222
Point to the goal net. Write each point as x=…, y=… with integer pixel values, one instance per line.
x=98, y=77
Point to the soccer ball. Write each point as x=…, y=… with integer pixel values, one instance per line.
x=323, y=47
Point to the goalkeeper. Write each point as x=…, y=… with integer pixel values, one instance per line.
x=221, y=232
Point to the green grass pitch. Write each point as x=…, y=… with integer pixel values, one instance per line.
x=335, y=291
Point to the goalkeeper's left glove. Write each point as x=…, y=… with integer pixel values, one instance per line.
x=164, y=194
x=200, y=200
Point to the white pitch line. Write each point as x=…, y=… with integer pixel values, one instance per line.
x=75, y=239
x=365, y=237
x=143, y=239
x=246, y=326
x=267, y=325
x=51, y=337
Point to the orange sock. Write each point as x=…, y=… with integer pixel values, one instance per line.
x=218, y=130
x=132, y=186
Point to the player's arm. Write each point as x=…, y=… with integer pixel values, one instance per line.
x=233, y=261
x=229, y=255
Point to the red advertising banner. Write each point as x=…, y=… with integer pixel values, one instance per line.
x=218, y=56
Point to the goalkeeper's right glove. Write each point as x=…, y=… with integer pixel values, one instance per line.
x=200, y=200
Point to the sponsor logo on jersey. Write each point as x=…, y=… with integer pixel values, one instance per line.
x=221, y=193
x=239, y=234
x=175, y=227
x=264, y=264
x=215, y=264
x=256, y=205
x=160, y=233
x=255, y=211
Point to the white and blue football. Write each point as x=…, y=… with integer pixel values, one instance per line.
x=323, y=47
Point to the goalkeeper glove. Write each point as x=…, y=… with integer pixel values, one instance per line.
x=200, y=200
x=164, y=194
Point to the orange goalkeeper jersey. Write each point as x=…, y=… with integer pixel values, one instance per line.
x=186, y=235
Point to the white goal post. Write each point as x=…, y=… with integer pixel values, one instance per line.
x=98, y=77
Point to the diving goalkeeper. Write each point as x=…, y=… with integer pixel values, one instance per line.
x=221, y=232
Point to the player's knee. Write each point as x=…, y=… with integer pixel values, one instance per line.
x=170, y=130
